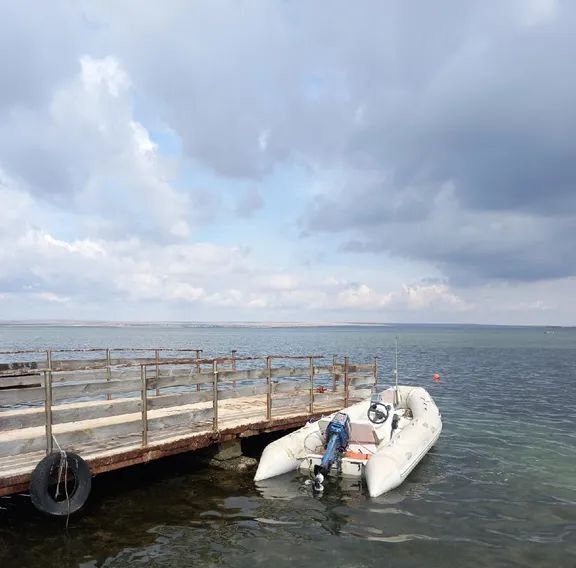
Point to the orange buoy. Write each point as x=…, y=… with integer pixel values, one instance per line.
x=436, y=377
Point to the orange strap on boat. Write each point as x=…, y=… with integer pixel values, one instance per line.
x=356, y=455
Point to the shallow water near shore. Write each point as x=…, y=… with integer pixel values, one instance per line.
x=498, y=489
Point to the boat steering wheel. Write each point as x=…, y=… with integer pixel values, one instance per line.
x=378, y=412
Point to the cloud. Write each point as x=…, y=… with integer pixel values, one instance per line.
x=51, y=297
x=249, y=203
x=434, y=296
x=361, y=296
x=469, y=166
x=538, y=12
x=80, y=272
x=85, y=151
x=136, y=155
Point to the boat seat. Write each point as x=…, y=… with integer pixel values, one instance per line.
x=362, y=432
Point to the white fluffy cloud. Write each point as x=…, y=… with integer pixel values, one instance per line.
x=434, y=296
x=86, y=152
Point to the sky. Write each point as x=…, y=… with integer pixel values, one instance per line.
x=284, y=160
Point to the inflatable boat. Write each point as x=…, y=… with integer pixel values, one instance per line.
x=380, y=439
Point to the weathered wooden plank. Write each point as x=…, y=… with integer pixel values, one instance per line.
x=110, y=408
x=106, y=432
x=100, y=363
x=133, y=361
x=78, y=376
x=92, y=389
x=9, y=397
x=328, y=394
x=290, y=401
x=291, y=387
x=360, y=368
x=22, y=446
x=328, y=405
x=291, y=372
x=190, y=418
x=59, y=377
x=31, y=418
x=8, y=369
x=36, y=379
x=357, y=394
x=242, y=392
x=178, y=399
x=71, y=438
x=246, y=375
x=322, y=370
x=22, y=419
x=361, y=382
x=183, y=380
x=360, y=374
x=78, y=365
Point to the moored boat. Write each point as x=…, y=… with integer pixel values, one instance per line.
x=380, y=439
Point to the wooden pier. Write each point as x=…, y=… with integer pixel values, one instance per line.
x=120, y=407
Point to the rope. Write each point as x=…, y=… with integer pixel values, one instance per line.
x=63, y=466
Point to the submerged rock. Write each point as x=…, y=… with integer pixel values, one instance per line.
x=238, y=464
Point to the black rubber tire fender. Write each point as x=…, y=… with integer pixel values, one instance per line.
x=42, y=475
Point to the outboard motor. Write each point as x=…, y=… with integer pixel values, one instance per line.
x=337, y=436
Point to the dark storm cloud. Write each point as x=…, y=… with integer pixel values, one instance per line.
x=473, y=168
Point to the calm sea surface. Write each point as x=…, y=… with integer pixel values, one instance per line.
x=498, y=490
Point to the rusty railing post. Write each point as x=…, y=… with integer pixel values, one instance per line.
x=108, y=372
x=269, y=393
x=234, y=351
x=144, y=399
x=346, y=381
x=215, y=396
x=311, y=370
x=48, y=409
x=198, y=351
x=157, y=357
x=375, y=372
x=333, y=373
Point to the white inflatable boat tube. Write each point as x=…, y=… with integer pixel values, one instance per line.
x=395, y=456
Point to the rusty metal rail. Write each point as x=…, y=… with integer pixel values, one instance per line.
x=115, y=411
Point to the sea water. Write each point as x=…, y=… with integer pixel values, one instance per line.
x=497, y=490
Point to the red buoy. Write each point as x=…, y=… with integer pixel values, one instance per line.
x=436, y=377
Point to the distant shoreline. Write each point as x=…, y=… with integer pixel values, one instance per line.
x=67, y=323
x=248, y=324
